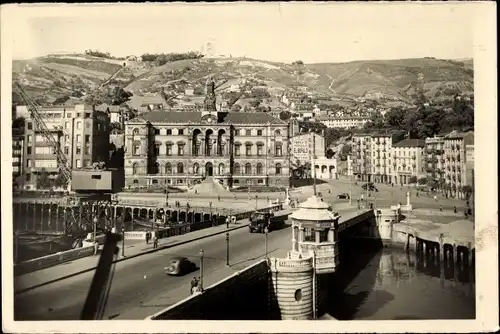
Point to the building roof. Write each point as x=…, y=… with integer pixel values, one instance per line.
x=137, y=101
x=195, y=117
x=410, y=143
x=458, y=135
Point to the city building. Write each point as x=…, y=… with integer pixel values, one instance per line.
x=82, y=133
x=435, y=160
x=455, y=172
x=182, y=148
x=360, y=161
x=345, y=122
x=304, y=144
x=371, y=159
x=380, y=154
x=408, y=161
x=17, y=157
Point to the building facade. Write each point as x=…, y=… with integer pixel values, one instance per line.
x=17, y=157
x=408, y=161
x=304, y=145
x=81, y=132
x=435, y=159
x=455, y=171
x=346, y=122
x=361, y=164
x=182, y=148
x=371, y=157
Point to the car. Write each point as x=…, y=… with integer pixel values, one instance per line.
x=260, y=220
x=369, y=186
x=343, y=196
x=179, y=266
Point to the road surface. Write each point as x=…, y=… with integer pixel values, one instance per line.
x=140, y=287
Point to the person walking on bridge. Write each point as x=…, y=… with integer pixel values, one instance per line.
x=155, y=241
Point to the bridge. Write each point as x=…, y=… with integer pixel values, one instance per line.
x=141, y=288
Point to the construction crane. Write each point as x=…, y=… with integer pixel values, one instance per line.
x=74, y=225
x=62, y=161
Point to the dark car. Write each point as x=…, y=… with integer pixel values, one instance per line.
x=343, y=196
x=180, y=266
x=369, y=186
x=260, y=220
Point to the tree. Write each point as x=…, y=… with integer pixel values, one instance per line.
x=395, y=118
x=43, y=180
x=413, y=179
x=423, y=180
x=255, y=103
x=60, y=181
x=285, y=115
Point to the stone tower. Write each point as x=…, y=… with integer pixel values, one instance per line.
x=210, y=101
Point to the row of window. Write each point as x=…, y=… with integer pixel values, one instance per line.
x=238, y=170
x=136, y=149
x=236, y=181
x=180, y=132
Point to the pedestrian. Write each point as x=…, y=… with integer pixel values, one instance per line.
x=194, y=284
x=417, y=193
x=435, y=198
x=454, y=209
x=218, y=198
x=96, y=247
x=227, y=221
x=234, y=197
x=147, y=237
x=155, y=241
x=441, y=208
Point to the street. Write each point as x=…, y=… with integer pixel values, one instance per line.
x=140, y=282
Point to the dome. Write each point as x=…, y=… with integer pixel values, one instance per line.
x=314, y=209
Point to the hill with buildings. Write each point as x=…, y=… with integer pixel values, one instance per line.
x=52, y=78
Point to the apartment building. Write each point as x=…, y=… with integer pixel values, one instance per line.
x=434, y=151
x=380, y=155
x=456, y=173
x=361, y=163
x=80, y=131
x=17, y=156
x=345, y=122
x=371, y=157
x=408, y=160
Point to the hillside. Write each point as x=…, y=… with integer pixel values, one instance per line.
x=48, y=78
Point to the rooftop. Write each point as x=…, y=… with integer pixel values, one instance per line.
x=195, y=117
x=410, y=143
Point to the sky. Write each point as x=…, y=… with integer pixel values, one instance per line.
x=311, y=32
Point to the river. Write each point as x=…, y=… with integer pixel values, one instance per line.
x=394, y=285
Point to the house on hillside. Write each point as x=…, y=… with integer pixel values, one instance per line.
x=147, y=103
x=117, y=114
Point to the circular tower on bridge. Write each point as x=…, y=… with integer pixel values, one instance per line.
x=296, y=286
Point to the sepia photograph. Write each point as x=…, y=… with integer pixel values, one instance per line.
x=268, y=164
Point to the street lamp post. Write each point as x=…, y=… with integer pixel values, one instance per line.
x=227, y=249
x=202, y=253
x=95, y=228
x=266, y=231
x=123, y=240
x=256, y=198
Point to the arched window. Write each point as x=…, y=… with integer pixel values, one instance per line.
x=136, y=131
x=278, y=169
x=180, y=168
x=278, y=149
x=168, y=168
x=248, y=169
x=196, y=168
x=277, y=133
x=259, y=169
x=136, y=148
x=221, y=169
x=237, y=169
x=135, y=168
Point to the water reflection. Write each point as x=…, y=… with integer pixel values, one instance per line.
x=395, y=285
